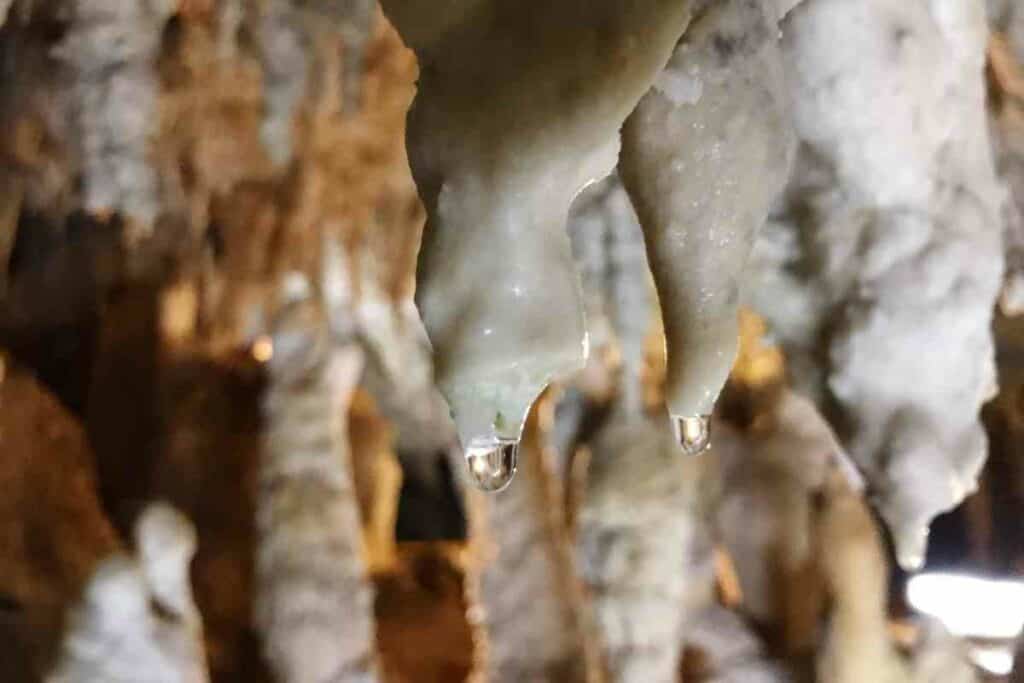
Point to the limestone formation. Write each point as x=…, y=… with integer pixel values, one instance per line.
x=518, y=108
x=703, y=156
x=879, y=270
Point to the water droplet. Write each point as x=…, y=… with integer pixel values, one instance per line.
x=693, y=432
x=492, y=463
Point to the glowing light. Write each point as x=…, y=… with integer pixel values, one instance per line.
x=263, y=349
x=996, y=660
x=970, y=605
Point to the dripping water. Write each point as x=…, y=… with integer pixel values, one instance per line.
x=693, y=433
x=492, y=463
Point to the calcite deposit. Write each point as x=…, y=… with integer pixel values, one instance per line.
x=111, y=51
x=703, y=156
x=136, y=621
x=312, y=602
x=518, y=107
x=880, y=267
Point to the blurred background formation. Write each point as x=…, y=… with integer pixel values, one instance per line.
x=224, y=458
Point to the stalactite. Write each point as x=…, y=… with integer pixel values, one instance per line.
x=879, y=272
x=314, y=606
x=111, y=51
x=703, y=155
x=497, y=170
x=136, y=622
x=290, y=32
x=286, y=53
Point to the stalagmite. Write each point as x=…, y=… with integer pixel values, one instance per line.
x=634, y=529
x=517, y=109
x=136, y=622
x=703, y=155
x=634, y=535
x=765, y=518
x=528, y=605
x=314, y=605
x=880, y=270
x=111, y=50
x=857, y=647
x=730, y=651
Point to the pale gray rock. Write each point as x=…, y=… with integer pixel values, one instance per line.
x=286, y=45
x=618, y=292
x=940, y=657
x=137, y=622
x=313, y=603
x=733, y=652
x=1007, y=127
x=703, y=156
x=638, y=549
x=497, y=172
x=635, y=533
x=527, y=604
x=879, y=270
x=289, y=32
x=764, y=517
x=110, y=50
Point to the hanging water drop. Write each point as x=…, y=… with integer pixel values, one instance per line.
x=492, y=463
x=693, y=432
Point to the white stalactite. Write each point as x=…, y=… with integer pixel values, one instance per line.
x=634, y=534
x=111, y=50
x=289, y=32
x=880, y=271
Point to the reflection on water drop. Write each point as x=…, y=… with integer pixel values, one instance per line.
x=693, y=432
x=492, y=463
